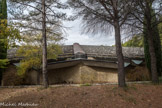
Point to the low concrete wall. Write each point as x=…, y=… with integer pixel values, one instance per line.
x=98, y=75
x=31, y=77
x=64, y=75
x=88, y=74
x=77, y=74
x=82, y=74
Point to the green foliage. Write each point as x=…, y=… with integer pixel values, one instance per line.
x=160, y=34
x=141, y=40
x=8, y=37
x=29, y=16
x=157, y=45
x=3, y=24
x=31, y=51
x=3, y=49
x=136, y=41
x=147, y=54
x=3, y=63
x=160, y=30
x=86, y=84
x=3, y=9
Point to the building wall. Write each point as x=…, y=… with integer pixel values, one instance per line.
x=82, y=74
x=88, y=74
x=75, y=74
x=64, y=75
x=98, y=75
x=31, y=77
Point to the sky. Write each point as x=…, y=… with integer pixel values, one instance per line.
x=74, y=35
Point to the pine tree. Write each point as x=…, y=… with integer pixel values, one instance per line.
x=157, y=46
x=99, y=16
x=144, y=16
x=39, y=16
x=3, y=16
x=3, y=9
x=3, y=48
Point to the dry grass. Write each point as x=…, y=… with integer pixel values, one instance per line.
x=138, y=74
x=101, y=96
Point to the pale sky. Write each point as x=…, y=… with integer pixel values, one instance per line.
x=74, y=35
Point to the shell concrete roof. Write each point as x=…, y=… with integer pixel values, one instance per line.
x=92, y=51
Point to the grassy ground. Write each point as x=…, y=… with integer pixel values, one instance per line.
x=85, y=96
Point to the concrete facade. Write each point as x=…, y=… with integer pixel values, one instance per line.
x=80, y=74
x=81, y=64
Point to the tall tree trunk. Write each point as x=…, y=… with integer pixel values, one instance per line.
x=154, y=74
x=148, y=15
x=121, y=73
x=146, y=51
x=156, y=40
x=3, y=48
x=44, y=47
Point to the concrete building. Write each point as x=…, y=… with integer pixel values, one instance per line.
x=86, y=64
